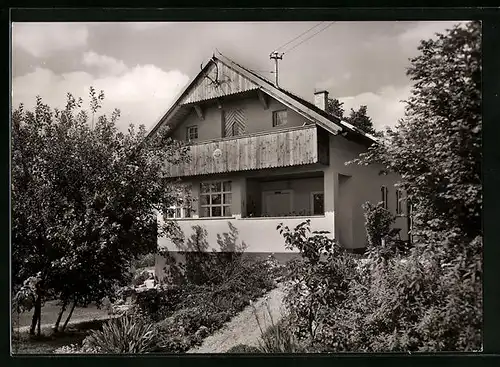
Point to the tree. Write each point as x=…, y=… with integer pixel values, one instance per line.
x=436, y=147
x=85, y=200
x=361, y=120
x=335, y=107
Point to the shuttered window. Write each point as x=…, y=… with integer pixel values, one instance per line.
x=234, y=122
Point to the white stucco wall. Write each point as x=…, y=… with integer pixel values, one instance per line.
x=259, y=234
x=364, y=185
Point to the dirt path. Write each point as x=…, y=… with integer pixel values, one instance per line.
x=243, y=328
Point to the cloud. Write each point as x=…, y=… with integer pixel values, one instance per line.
x=334, y=81
x=411, y=37
x=44, y=39
x=106, y=65
x=384, y=107
x=142, y=93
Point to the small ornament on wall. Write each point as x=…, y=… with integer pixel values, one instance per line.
x=217, y=153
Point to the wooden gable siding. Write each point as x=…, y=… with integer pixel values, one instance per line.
x=231, y=83
x=285, y=148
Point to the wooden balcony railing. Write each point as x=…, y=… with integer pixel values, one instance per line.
x=282, y=148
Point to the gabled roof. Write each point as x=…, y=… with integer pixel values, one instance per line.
x=323, y=119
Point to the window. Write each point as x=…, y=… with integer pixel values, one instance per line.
x=400, y=202
x=318, y=203
x=234, y=122
x=191, y=133
x=279, y=118
x=383, y=191
x=175, y=212
x=215, y=199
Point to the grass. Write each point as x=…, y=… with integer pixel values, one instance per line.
x=23, y=343
x=51, y=310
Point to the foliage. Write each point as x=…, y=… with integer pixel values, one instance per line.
x=24, y=299
x=123, y=335
x=277, y=338
x=335, y=107
x=158, y=303
x=378, y=221
x=428, y=300
x=414, y=303
x=243, y=349
x=84, y=200
x=140, y=277
x=319, y=279
x=361, y=120
x=436, y=147
x=432, y=299
x=145, y=261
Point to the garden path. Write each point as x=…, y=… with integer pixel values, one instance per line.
x=243, y=328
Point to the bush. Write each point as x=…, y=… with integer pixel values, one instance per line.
x=378, y=221
x=140, y=277
x=429, y=300
x=158, y=303
x=278, y=338
x=145, y=261
x=123, y=335
x=244, y=349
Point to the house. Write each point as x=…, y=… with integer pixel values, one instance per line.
x=261, y=156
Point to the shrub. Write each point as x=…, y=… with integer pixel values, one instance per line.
x=158, y=303
x=140, y=277
x=378, y=221
x=318, y=282
x=123, y=335
x=145, y=261
x=429, y=300
x=244, y=349
x=278, y=337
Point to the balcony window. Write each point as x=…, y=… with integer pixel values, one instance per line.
x=215, y=199
x=279, y=118
x=191, y=133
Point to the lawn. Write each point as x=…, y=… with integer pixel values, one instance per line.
x=23, y=343
x=51, y=310
x=82, y=320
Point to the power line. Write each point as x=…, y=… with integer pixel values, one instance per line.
x=300, y=35
x=308, y=38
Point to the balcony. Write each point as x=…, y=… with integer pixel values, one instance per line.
x=279, y=148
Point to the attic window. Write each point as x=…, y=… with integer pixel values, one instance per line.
x=279, y=118
x=191, y=133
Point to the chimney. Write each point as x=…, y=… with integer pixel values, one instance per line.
x=321, y=99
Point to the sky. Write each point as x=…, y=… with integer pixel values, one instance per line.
x=142, y=67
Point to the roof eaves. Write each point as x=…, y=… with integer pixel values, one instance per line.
x=172, y=108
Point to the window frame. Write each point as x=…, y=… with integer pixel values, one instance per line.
x=400, y=202
x=275, y=119
x=188, y=132
x=222, y=192
x=179, y=212
x=385, y=197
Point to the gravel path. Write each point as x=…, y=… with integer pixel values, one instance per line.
x=243, y=328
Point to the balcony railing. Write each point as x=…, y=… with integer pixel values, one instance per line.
x=283, y=148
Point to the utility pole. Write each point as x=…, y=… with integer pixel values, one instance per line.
x=276, y=56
